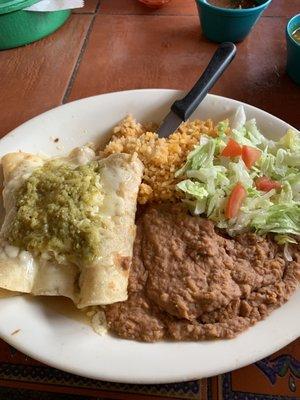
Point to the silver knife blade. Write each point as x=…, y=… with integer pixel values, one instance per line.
x=169, y=124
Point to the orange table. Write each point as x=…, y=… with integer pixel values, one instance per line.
x=113, y=45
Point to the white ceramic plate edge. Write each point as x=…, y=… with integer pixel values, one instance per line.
x=281, y=336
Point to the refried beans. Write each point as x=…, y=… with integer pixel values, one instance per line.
x=190, y=282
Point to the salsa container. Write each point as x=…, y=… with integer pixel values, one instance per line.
x=228, y=24
x=19, y=27
x=293, y=49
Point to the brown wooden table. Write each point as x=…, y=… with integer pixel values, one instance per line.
x=114, y=45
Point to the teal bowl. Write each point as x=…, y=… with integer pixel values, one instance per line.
x=293, y=49
x=228, y=24
x=19, y=27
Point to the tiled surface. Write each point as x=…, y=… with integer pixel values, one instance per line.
x=119, y=44
x=278, y=8
x=128, y=7
x=90, y=7
x=34, y=78
x=258, y=74
x=283, y=8
x=122, y=54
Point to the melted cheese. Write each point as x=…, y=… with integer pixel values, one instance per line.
x=102, y=282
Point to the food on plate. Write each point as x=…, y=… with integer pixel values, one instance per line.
x=215, y=270
x=243, y=181
x=69, y=225
x=235, y=200
x=161, y=157
x=218, y=227
x=190, y=282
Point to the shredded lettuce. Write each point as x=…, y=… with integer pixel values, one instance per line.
x=222, y=127
x=212, y=177
x=237, y=172
x=278, y=218
x=291, y=141
x=239, y=119
x=195, y=189
x=282, y=239
x=294, y=181
x=201, y=156
x=253, y=134
x=208, y=180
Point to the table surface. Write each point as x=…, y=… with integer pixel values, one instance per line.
x=112, y=45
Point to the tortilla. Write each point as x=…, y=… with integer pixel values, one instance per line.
x=105, y=280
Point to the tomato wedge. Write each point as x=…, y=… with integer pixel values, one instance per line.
x=232, y=149
x=265, y=184
x=236, y=198
x=250, y=155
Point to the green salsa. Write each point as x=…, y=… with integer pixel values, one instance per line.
x=58, y=212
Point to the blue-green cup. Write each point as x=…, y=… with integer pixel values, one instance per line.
x=293, y=50
x=228, y=24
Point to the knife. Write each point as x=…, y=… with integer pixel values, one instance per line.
x=182, y=109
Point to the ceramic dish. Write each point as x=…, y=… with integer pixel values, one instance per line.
x=19, y=27
x=68, y=344
x=228, y=24
x=293, y=49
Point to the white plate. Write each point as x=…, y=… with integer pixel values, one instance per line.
x=71, y=345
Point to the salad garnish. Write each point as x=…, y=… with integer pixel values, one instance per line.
x=241, y=180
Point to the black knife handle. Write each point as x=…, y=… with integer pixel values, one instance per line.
x=217, y=65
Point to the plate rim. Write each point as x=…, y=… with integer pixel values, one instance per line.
x=181, y=377
x=166, y=90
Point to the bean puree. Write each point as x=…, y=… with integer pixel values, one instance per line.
x=190, y=282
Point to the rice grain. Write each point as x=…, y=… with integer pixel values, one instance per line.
x=161, y=157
